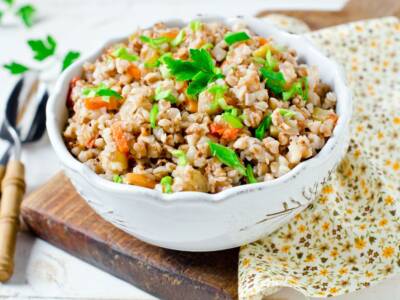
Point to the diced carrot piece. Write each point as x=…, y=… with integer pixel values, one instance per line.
x=143, y=180
x=191, y=105
x=119, y=138
x=217, y=129
x=170, y=34
x=134, y=71
x=262, y=41
x=98, y=102
x=90, y=142
x=230, y=134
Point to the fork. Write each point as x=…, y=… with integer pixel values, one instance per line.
x=24, y=121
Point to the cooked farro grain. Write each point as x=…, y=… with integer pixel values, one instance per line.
x=201, y=108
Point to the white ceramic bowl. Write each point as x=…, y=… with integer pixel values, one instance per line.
x=195, y=221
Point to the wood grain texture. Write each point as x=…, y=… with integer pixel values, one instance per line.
x=354, y=10
x=57, y=214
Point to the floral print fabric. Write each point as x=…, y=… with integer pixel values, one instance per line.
x=349, y=238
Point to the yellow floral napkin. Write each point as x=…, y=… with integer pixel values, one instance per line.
x=349, y=238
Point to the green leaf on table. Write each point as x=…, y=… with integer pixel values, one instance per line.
x=69, y=58
x=43, y=48
x=9, y=2
x=27, y=14
x=16, y=68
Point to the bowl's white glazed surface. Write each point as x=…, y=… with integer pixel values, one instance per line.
x=195, y=221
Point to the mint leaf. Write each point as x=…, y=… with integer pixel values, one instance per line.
x=27, y=14
x=69, y=58
x=16, y=68
x=43, y=48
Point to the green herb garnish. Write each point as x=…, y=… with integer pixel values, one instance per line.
x=195, y=25
x=270, y=61
x=250, y=174
x=102, y=91
x=181, y=156
x=153, y=116
x=117, y=179
x=166, y=183
x=43, y=48
x=207, y=46
x=232, y=119
x=263, y=127
x=200, y=70
x=227, y=156
x=179, y=38
x=275, y=81
x=235, y=37
x=27, y=14
x=154, y=42
x=123, y=53
x=286, y=112
x=16, y=68
x=164, y=94
x=69, y=58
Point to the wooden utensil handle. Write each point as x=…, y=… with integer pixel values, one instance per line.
x=2, y=172
x=13, y=188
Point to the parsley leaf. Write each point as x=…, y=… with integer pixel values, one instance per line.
x=16, y=68
x=43, y=48
x=201, y=70
x=27, y=14
x=199, y=83
x=9, y=2
x=69, y=58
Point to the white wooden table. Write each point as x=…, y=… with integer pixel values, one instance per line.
x=43, y=271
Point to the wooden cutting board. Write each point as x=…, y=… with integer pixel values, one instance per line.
x=56, y=213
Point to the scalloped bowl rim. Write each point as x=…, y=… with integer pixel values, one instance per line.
x=94, y=179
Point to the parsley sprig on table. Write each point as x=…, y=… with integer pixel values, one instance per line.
x=42, y=49
x=26, y=12
x=200, y=70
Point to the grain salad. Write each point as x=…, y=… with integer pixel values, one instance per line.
x=200, y=108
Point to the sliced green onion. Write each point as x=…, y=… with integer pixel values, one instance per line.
x=270, y=61
x=234, y=121
x=235, y=37
x=153, y=116
x=166, y=183
x=275, y=81
x=250, y=174
x=258, y=60
x=166, y=94
x=195, y=26
x=179, y=38
x=154, y=42
x=227, y=156
x=286, y=112
x=181, y=156
x=108, y=93
x=263, y=127
x=117, y=179
x=123, y=53
x=165, y=73
x=207, y=46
